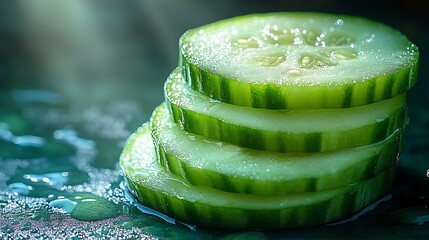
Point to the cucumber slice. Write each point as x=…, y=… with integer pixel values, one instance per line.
x=298, y=60
x=205, y=162
x=302, y=130
x=208, y=207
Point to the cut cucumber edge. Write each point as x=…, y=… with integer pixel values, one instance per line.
x=207, y=207
x=386, y=60
x=272, y=96
x=283, y=130
x=203, y=161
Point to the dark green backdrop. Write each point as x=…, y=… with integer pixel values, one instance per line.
x=77, y=77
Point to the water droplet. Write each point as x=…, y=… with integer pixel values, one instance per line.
x=48, y=178
x=212, y=103
x=28, y=141
x=275, y=27
x=20, y=188
x=231, y=148
x=297, y=41
x=86, y=206
x=192, y=137
x=277, y=36
x=145, y=209
x=339, y=22
x=217, y=143
x=370, y=39
x=64, y=204
x=214, y=100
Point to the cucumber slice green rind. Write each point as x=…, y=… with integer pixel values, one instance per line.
x=208, y=207
x=377, y=62
x=271, y=96
x=303, y=130
x=202, y=161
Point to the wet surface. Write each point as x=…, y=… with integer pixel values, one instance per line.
x=60, y=142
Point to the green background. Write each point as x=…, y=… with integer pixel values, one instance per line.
x=78, y=77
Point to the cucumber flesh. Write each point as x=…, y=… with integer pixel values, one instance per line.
x=298, y=60
x=304, y=130
x=208, y=207
x=202, y=161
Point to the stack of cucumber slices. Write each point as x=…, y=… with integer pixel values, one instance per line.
x=275, y=120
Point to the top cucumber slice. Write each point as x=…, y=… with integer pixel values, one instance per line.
x=298, y=60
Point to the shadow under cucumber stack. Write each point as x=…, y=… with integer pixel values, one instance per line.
x=275, y=120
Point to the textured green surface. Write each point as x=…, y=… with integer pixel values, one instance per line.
x=298, y=60
x=283, y=130
x=212, y=208
x=205, y=162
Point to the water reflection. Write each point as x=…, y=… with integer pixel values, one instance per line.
x=77, y=77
